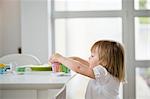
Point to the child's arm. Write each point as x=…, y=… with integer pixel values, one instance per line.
x=73, y=65
x=80, y=60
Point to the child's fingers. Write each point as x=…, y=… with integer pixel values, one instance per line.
x=54, y=58
x=51, y=59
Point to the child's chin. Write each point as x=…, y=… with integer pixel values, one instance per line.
x=91, y=66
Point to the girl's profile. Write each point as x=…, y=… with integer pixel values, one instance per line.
x=105, y=67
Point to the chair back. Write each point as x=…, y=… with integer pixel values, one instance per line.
x=20, y=59
x=74, y=88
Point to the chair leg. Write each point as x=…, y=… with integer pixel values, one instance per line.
x=61, y=94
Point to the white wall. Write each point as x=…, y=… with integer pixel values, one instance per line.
x=0, y=28
x=34, y=25
x=0, y=40
x=0, y=94
x=25, y=24
x=10, y=27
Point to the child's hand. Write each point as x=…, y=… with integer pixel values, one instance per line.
x=55, y=58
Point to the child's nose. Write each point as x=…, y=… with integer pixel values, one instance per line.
x=89, y=58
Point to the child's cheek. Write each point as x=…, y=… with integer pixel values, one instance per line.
x=92, y=64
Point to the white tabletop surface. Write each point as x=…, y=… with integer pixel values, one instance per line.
x=33, y=80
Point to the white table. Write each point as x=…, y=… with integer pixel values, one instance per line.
x=37, y=83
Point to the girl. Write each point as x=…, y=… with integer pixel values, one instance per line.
x=105, y=68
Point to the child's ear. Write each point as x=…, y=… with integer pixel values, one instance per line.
x=100, y=62
x=103, y=63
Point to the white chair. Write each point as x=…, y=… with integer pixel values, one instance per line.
x=20, y=59
x=75, y=88
x=61, y=94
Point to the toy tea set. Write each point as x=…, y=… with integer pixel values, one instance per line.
x=58, y=67
x=4, y=68
x=55, y=67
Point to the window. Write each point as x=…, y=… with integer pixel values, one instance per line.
x=142, y=83
x=76, y=24
x=78, y=34
x=142, y=48
x=87, y=5
x=142, y=4
x=142, y=38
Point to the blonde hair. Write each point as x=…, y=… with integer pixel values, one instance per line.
x=111, y=56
